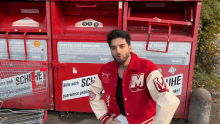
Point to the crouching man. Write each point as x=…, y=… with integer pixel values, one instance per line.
x=135, y=90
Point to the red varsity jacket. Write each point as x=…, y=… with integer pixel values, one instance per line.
x=148, y=99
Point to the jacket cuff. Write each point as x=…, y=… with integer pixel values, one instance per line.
x=104, y=118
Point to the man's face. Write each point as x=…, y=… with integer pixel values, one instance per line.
x=120, y=50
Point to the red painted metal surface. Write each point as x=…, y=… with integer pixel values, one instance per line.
x=44, y=98
x=65, y=14
x=184, y=30
x=181, y=69
x=192, y=60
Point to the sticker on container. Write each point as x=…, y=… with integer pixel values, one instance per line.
x=77, y=88
x=19, y=85
x=37, y=49
x=26, y=22
x=89, y=23
x=74, y=70
x=83, y=52
x=120, y=5
x=36, y=43
x=172, y=70
x=175, y=82
x=176, y=54
x=29, y=10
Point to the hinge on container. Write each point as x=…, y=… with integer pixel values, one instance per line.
x=57, y=64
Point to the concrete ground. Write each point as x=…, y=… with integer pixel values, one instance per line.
x=88, y=118
x=215, y=112
x=71, y=118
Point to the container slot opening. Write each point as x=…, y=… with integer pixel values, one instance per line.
x=85, y=17
x=178, y=14
x=24, y=16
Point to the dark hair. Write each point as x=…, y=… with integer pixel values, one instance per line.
x=118, y=34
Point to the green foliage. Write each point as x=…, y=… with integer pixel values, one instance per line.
x=208, y=28
x=202, y=80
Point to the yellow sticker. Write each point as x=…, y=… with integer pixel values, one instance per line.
x=36, y=43
x=159, y=20
x=39, y=30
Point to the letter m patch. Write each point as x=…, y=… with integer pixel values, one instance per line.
x=137, y=82
x=160, y=84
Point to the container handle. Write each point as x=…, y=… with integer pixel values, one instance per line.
x=88, y=6
x=45, y=117
x=8, y=48
x=148, y=38
x=25, y=46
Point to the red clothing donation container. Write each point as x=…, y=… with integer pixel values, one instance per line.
x=165, y=32
x=80, y=47
x=25, y=55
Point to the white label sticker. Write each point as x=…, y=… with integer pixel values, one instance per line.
x=89, y=23
x=175, y=82
x=37, y=49
x=29, y=10
x=77, y=88
x=19, y=85
x=74, y=70
x=26, y=22
x=172, y=70
x=120, y=5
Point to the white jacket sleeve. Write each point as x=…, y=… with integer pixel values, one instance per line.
x=95, y=99
x=166, y=101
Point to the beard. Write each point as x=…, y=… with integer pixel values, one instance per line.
x=122, y=60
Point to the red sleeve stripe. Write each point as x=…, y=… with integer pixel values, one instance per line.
x=149, y=121
x=103, y=117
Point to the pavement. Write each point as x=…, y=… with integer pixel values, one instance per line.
x=215, y=112
x=55, y=117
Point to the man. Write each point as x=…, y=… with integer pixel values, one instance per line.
x=133, y=87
